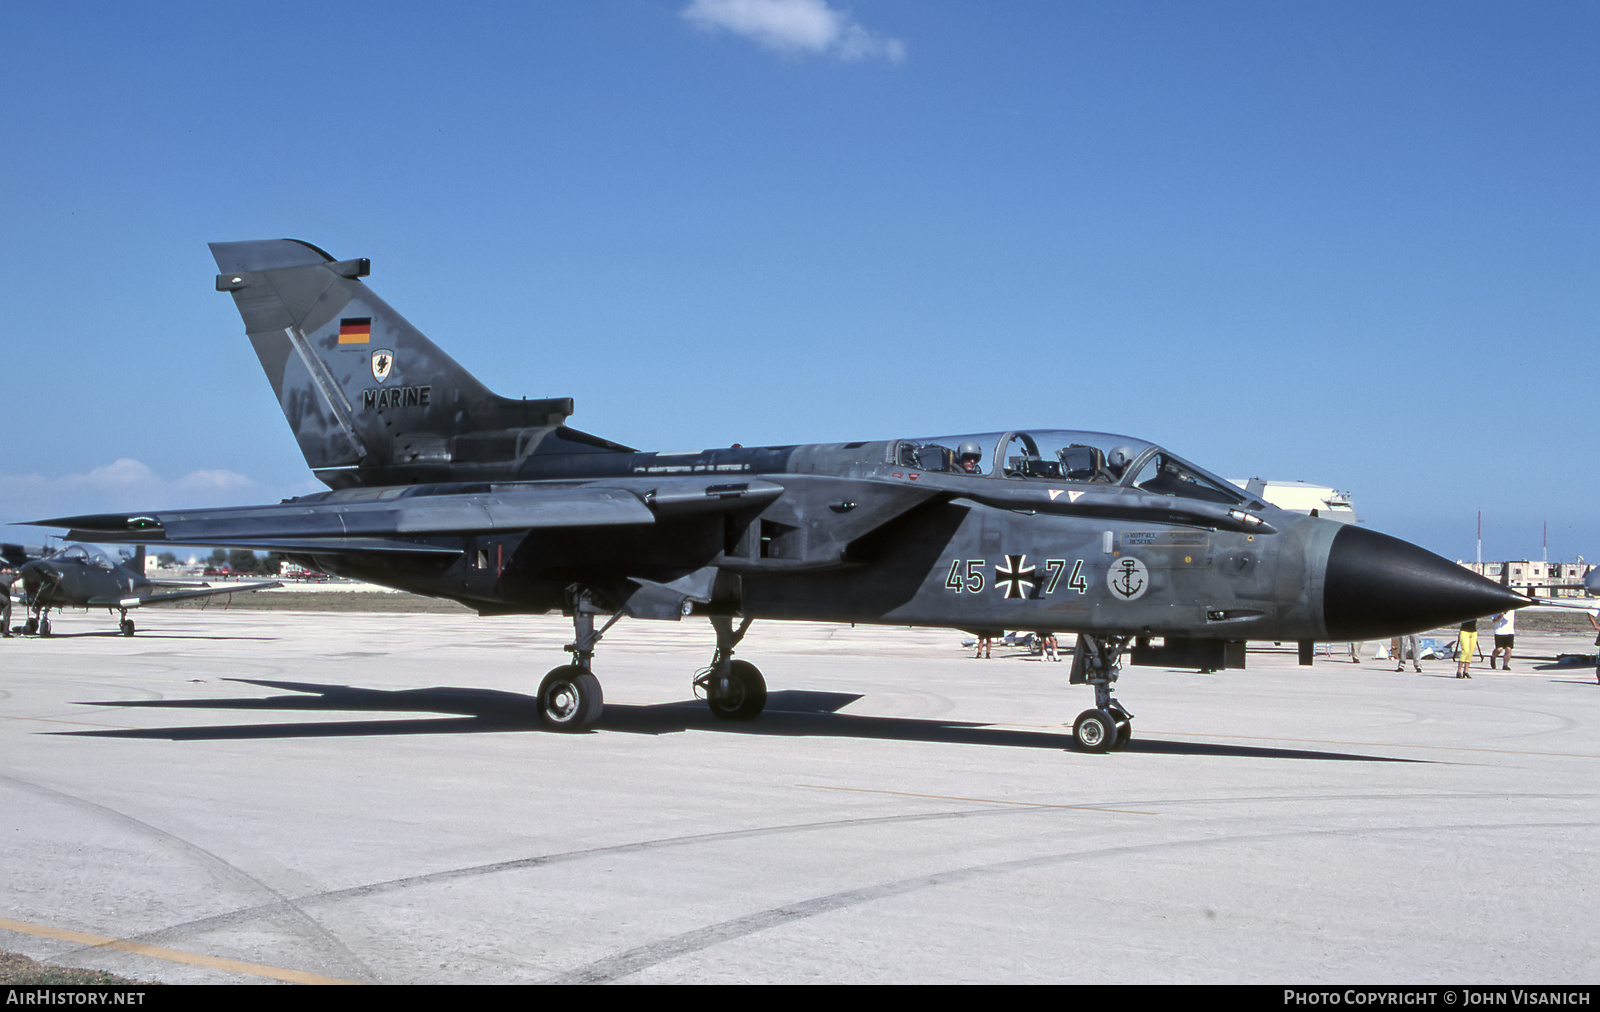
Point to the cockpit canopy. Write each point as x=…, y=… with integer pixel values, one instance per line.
x=86, y=554
x=1057, y=455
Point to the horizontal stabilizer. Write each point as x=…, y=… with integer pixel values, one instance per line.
x=307, y=546
x=383, y=519
x=412, y=515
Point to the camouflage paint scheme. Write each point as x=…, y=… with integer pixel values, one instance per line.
x=439, y=486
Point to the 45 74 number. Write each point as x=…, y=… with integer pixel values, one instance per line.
x=1015, y=576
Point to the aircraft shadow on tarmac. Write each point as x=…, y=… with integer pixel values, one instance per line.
x=143, y=636
x=789, y=713
x=1577, y=664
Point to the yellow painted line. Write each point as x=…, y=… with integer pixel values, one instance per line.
x=170, y=955
x=981, y=801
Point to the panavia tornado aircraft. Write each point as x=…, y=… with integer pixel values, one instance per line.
x=440, y=487
x=86, y=577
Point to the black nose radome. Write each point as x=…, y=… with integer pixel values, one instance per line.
x=1378, y=586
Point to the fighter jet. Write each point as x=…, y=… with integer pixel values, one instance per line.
x=85, y=577
x=440, y=487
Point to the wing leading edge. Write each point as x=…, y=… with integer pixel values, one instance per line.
x=140, y=600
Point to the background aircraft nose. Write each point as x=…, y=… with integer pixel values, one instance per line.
x=1377, y=586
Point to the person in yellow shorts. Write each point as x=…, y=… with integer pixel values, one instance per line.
x=1466, y=646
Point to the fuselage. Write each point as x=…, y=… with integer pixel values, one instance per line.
x=1042, y=533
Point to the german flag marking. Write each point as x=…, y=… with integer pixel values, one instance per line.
x=355, y=331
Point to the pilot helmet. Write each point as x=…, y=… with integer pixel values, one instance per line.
x=1119, y=458
x=970, y=450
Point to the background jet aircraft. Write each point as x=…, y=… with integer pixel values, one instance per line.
x=86, y=577
x=15, y=556
x=440, y=487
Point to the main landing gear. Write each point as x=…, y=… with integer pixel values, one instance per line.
x=1097, y=662
x=126, y=625
x=570, y=697
x=733, y=689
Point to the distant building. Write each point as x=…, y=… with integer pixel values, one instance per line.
x=294, y=571
x=1536, y=579
x=1302, y=497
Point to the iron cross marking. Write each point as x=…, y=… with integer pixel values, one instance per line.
x=1015, y=576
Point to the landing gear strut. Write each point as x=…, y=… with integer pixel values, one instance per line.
x=570, y=698
x=733, y=689
x=1097, y=662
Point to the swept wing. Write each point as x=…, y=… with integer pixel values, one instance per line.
x=165, y=597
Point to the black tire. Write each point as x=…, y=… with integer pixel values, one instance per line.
x=1094, y=731
x=127, y=627
x=570, y=699
x=31, y=628
x=44, y=627
x=746, y=696
x=1124, y=735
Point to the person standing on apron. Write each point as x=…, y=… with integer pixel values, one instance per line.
x=1466, y=646
x=1505, y=635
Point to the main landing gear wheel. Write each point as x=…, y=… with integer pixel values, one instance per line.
x=570, y=699
x=30, y=627
x=744, y=695
x=1095, y=731
x=1124, y=735
x=126, y=626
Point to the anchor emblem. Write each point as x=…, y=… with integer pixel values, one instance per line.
x=1128, y=579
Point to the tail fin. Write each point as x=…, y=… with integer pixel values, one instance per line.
x=370, y=399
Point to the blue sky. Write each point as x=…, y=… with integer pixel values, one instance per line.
x=1346, y=242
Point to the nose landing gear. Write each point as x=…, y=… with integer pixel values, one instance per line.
x=1097, y=662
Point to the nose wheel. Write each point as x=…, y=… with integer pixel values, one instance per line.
x=1097, y=661
x=1103, y=730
